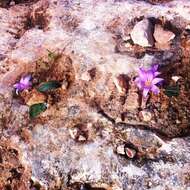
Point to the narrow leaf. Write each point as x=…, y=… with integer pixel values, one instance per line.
x=172, y=91
x=36, y=109
x=50, y=85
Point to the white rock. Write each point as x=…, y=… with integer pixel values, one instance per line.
x=142, y=34
x=73, y=132
x=120, y=149
x=175, y=78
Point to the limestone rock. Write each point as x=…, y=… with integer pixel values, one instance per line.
x=142, y=33
x=74, y=141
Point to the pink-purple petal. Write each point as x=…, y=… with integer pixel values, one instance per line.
x=157, y=73
x=20, y=86
x=26, y=80
x=149, y=76
x=145, y=92
x=16, y=85
x=142, y=73
x=17, y=91
x=155, y=89
x=139, y=83
x=154, y=68
x=157, y=80
x=137, y=79
x=22, y=80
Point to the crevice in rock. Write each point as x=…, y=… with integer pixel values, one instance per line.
x=38, y=17
x=105, y=115
x=120, y=125
x=155, y=2
x=83, y=186
x=160, y=133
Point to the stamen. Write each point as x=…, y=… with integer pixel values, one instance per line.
x=148, y=83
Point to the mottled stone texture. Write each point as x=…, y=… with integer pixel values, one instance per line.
x=73, y=144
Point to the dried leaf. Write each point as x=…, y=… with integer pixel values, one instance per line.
x=52, y=55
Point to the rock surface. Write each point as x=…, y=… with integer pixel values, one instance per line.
x=91, y=136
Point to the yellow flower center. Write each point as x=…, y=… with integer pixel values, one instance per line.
x=148, y=83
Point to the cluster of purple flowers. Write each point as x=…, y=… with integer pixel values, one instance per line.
x=146, y=81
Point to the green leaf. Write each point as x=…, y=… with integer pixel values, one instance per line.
x=172, y=91
x=50, y=85
x=36, y=109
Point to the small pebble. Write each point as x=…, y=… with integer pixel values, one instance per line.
x=82, y=138
x=123, y=150
x=130, y=152
x=146, y=115
x=120, y=149
x=126, y=37
x=65, y=85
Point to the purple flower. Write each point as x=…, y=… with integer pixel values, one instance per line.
x=147, y=80
x=24, y=84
